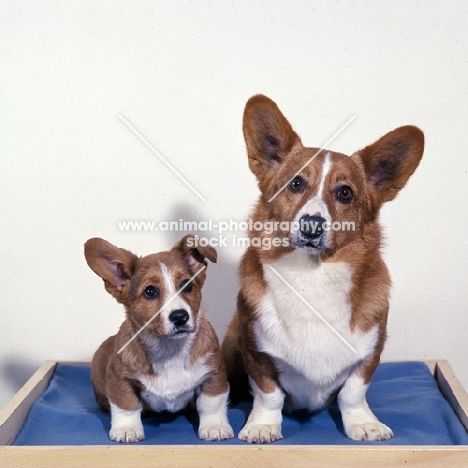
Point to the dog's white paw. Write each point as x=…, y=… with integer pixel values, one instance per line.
x=369, y=431
x=215, y=432
x=127, y=433
x=260, y=433
x=126, y=425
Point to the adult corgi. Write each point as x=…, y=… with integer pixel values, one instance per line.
x=312, y=309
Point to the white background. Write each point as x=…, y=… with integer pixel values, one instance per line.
x=181, y=72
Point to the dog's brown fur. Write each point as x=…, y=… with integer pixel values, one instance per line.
x=375, y=174
x=116, y=376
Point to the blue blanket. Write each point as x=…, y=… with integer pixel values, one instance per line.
x=404, y=396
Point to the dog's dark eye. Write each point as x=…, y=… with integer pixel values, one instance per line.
x=296, y=185
x=344, y=194
x=186, y=287
x=151, y=292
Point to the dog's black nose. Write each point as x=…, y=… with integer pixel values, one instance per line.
x=179, y=317
x=311, y=227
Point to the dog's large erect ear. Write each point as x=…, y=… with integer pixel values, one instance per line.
x=268, y=135
x=195, y=253
x=391, y=160
x=112, y=264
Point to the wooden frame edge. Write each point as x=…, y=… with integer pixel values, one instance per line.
x=14, y=413
x=225, y=456
x=453, y=390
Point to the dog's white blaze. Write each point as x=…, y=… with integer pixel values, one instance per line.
x=325, y=170
x=316, y=205
x=170, y=291
x=176, y=379
x=168, y=280
x=312, y=361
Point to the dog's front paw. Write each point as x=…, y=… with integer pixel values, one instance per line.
x=260, y=433
x=127, y=433
x=215, y=432
x=369, y=431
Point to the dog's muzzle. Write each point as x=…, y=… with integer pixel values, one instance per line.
x=179, y=319
x=311, y=227
x=310, y=234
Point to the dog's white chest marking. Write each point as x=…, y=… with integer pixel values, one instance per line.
x=175, y=382
x=311, y=359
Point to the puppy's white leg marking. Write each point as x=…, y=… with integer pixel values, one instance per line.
x=214, y=424
x=126, y=425
x=359, y=421
x=264, y=422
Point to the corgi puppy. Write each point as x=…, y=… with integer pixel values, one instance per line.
x=312, y=309
x=166, y=353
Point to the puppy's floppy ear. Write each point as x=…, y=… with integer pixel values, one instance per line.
x=194, y=253
x=113, y=265
x=391, y=160
x=268, y=135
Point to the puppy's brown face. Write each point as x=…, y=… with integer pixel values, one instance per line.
x=163, y=295
x=161, y=292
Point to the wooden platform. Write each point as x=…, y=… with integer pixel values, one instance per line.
x=258, y=456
